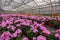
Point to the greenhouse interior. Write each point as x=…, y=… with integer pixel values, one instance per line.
x=29, y=19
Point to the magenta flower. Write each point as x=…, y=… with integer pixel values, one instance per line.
x=3, y=24
x=28, y=21
x=24, y=23
x=16, y=21
x=41, y=38
x=59, y=19
x=32, y=28
x=1, y=38
x=42, y=28
x=35, y=23
x=57, y=31
x=57, y=35
x=22, y=20
x=25, y=38
x=35, y=30
x=10, y=19
x=6, y=35
x=46, y=32
x=18, y=25
x=11, y=27
x=18, y=31
x=14, y=35
x=9, y=22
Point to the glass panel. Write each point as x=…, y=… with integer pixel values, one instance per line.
x=19, y=5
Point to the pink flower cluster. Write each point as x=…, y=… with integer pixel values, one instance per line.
x=40, y=37
x=14, y=23
x=57, y=34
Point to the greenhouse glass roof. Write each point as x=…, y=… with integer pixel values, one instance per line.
x=20, y=5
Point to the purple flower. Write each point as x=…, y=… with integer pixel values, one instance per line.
x=57, y=31
x=58, y=19
x=9, y=22
x=18, y=31
x=16, y=21
x=6, y=35
x=35, y=23
x=1, y=38
x=14, y=35
x=42, y=28
x=11, y=27
x=46, y=32
x=25, y=38
x=32, y=28
x=57, y=35
x=22, y=20
x=18, y=25
x=24, y=23
x=3, y=24
x=41, y=38
x=28, y=21
x=35, y=30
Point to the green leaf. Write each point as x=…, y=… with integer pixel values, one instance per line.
x=51, y=37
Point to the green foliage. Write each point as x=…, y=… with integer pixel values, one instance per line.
x=1, y=30
x=20, y=38
x=28, y=32
x=51, y=37
x=54, y=23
